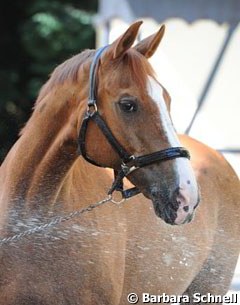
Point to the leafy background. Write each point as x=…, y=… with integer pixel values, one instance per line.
x=36, y=36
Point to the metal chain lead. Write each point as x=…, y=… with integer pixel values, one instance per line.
x=54, y=222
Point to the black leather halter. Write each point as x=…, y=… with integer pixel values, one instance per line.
x=129, y=162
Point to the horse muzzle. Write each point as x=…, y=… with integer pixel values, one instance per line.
x=174, y=208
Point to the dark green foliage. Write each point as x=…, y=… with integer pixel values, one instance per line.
x=35, y=37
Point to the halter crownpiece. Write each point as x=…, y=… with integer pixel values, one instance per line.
x=129, y=162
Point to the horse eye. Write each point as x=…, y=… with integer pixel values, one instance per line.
x=128, y=106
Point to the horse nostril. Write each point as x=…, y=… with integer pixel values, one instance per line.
x=186, y=208
x=175, y=204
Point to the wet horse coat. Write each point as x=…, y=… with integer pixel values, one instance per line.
x=112, y=251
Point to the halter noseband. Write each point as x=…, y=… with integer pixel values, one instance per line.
x=129, y=162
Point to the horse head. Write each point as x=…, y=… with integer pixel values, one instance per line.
x=135, y=107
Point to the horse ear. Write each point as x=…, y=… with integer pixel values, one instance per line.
x=124, y=42
x=149, y=45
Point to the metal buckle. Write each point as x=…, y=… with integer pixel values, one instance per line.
x=125, y=168
x=129, y=169
x=92, y=108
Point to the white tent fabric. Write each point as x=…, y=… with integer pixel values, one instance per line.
x=190, y=10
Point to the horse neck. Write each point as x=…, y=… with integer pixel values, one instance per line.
x=41, y=158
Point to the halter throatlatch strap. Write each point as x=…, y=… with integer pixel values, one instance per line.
x=129, y=163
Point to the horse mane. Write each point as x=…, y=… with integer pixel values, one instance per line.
x=68, y=70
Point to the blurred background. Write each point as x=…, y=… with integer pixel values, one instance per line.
x=198, y=61
x=36, y=36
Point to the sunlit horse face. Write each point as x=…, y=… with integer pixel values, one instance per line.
x=136, y=108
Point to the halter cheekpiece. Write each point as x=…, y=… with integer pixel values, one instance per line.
x=129, y=162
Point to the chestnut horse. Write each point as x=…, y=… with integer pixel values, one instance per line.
x=111, y=251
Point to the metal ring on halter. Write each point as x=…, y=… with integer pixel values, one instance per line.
x=115, y=201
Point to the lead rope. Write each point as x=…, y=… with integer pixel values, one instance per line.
x=57, y=220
